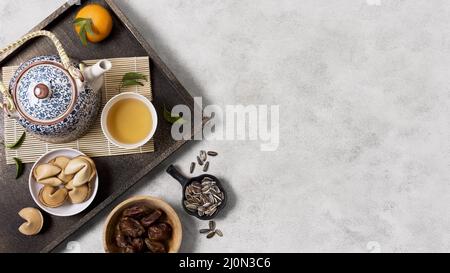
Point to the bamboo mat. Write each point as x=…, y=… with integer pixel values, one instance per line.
x=94, y=143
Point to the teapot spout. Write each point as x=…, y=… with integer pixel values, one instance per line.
x=92, y=73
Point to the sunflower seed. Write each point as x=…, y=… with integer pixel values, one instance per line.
x=192, y=167
x=211, y=199
x=203, y=155
x=206, y=167
x=207, y=182
x=211, y=211
x=199, y=161
x=219, y=232
x=210, y=235
x=217, y=198
x=212, y=153
x=204, y=230
x=212, y=225
x=191, y=207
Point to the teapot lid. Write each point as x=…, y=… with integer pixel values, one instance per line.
x=44, y=92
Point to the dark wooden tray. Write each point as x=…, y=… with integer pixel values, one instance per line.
x=117, y=174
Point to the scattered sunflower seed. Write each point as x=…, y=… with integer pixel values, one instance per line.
x=212, y=153
x=192, y=167
x=199, y=161
x=206, y=167
x=212, y=231
x=204, y=230
x=212, y=225
x=203, y=155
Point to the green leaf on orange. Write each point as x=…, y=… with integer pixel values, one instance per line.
x=85, y=25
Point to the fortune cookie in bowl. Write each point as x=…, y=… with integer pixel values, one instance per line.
x=62, y=162
x=94, y=169
x=82, y=169
x=45, y=174
x=80, y=194
x=53, y=197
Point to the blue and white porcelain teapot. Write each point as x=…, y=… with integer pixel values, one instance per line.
x=53, y=97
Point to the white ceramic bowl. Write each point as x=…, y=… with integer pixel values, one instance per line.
x=119, y=97
x=67, y=209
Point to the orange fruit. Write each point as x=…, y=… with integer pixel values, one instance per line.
x=102, y=22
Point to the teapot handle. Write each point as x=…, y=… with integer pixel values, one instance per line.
x=9, y=104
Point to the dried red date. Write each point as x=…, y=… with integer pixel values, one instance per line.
x=137, y=244
x=151, y=218
x=121, y=241
x=131, y=227
x=128, y=249
x=159, y=232
x=136, y=211
x=155, y=247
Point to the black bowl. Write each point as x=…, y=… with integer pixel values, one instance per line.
x=184, y=181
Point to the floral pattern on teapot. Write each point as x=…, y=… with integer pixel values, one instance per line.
x=60, y=84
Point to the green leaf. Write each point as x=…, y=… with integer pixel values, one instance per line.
x=85, y=25
x=132, y=79
x=131, y=83
x=80, y=20
x=134, y=76
x=83, y=36
x=172, y=119
x=18, y=143
x=88, y=27
x=19, y=167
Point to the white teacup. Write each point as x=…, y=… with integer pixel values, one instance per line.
x=112, y=102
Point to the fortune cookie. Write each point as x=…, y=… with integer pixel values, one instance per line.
x=82, y=170
x=94, y=169
x=34, y=221
x=51, y=181
x=79, y=194
x=62, y=162
x=52, y=197
x=45, y=174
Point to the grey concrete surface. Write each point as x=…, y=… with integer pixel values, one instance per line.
x=363, y=88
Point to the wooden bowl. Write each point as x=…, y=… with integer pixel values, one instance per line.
x=170, y=217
